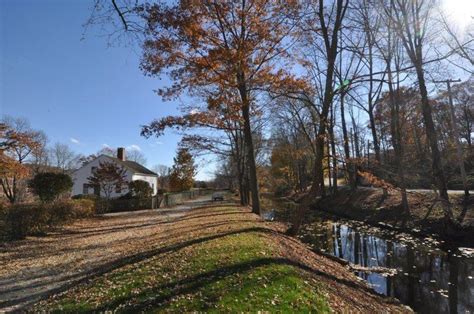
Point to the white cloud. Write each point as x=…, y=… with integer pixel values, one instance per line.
x=75, y=141
x=106, y=146
x=155, y=143
x=134, y=147
x=194, y=111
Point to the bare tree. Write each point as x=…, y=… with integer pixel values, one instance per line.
x=461, y=44
x=163, y=173
x=411, y=21
x=63, y=157
x=323, y=24
x=463, y=95
x=136, y=156
x=41, y=157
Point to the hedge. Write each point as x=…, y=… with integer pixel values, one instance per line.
x=20, y=220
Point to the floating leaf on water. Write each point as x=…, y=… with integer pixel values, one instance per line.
x=468, y=252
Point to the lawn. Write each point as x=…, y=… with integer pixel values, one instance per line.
x=222, y=259
x=236, y=272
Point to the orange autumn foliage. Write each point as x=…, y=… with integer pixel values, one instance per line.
x=14, y=148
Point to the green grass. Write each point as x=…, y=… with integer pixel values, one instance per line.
x=234, y=273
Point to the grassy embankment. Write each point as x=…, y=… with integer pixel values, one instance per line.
x=426, y=214
x=224, y=259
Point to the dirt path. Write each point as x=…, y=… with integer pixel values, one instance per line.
x=38, y=266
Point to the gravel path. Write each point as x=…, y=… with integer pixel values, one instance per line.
x=38, y=266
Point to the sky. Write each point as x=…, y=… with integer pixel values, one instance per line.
x=69, y=83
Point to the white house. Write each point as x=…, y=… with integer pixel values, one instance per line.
x=134, y=171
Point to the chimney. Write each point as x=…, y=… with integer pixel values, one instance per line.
x=121, y=153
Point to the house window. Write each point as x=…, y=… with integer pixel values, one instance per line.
x=93, y=169
x=153, y=186
x=96, y=190
x=85, y=189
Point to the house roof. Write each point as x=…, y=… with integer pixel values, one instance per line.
x=135, y=166
x=131, y=165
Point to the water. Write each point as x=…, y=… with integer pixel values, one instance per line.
x=418, y=272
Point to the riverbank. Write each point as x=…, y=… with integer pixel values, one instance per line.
x=224, y=258
x=425, y=218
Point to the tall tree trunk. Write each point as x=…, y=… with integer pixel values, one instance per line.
x=334, y=160
x=349, y=164
x=375, y=139
x=330, y=36
x=356, y=147
x=433, y=141
x=373, y=128
x=395, y=129
x=330, y=155
x=248, y=141
x=459, y=153
x=239, y=160
x=240, y=176
x=356, y=137
x=410, y=20
x=252, y=169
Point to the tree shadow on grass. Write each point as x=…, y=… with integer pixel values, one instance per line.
x=173, y=234
x=66, y=282
x=213, y=214
x=163, y=294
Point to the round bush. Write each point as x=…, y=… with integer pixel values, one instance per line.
x=50, y=185
x=140, y=189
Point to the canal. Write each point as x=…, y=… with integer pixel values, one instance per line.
x=425, y=274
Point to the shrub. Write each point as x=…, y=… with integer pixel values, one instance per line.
x=25, y=219
x=140, y=189
x=66, y=211
x=282, y=189
x=50, y=185
x=127, y=196
x=20, y=220
x=92, y=197
x=83, y=208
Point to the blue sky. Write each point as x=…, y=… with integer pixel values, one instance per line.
x=79, y=92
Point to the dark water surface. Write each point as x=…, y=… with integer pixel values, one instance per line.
x=420, y=272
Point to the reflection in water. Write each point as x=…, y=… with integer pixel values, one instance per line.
x=428, y=279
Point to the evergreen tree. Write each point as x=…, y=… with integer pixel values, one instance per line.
x=183, y=171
